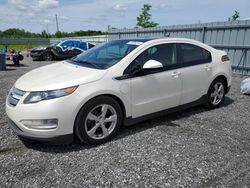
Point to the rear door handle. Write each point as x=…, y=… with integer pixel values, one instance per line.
x=175, y=74
x=208, y=68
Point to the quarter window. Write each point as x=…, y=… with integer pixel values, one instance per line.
x=192, y=54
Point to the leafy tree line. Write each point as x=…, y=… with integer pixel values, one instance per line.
x=21, y=33
x=61, y=34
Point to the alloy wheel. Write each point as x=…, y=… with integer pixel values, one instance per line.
x=217, y=93
x=48, y=57
x=100, y=121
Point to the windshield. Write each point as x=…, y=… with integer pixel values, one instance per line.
x=106, y=55
x=54, y=44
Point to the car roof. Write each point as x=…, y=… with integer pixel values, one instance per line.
x=137, y=39
x=170, y=39
x=78, y=40
x=159, y=39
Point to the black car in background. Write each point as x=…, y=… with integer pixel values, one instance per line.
x=64, y=49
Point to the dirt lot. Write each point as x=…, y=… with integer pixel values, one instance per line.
x=192, y=148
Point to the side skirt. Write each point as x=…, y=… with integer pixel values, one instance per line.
x=129, y=120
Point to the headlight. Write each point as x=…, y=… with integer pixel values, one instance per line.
x=37, y=96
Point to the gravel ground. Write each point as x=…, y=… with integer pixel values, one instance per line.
x=191, y=148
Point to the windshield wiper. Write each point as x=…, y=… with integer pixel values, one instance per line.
x=85, y=62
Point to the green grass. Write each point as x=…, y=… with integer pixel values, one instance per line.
x=21, y=47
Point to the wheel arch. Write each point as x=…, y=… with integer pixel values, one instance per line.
x=222, y=77
x=114, y=97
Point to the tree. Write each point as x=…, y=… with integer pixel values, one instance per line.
x=144, y=19
x=44, y=34
x=20, y=33
x=235, y=16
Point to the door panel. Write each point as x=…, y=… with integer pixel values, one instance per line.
x=196, y=72
x=155, y=92
x=195, y=82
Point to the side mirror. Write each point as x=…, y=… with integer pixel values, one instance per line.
x=152, y=64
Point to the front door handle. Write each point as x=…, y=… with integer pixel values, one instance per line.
x=175, y=74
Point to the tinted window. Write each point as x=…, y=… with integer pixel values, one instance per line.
x=164, y=53
x=192, y=54
x=114, y=51
x=54, y=44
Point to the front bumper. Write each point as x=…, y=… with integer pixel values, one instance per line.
x=62, y=139
x=64, y=109
x=35, y=55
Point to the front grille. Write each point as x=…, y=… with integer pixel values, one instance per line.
x=14, y=96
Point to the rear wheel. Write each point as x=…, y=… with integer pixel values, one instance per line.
x=98, y=121
x=48, y=56
x=216, y=93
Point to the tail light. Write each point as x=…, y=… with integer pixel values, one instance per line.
x=224, y=58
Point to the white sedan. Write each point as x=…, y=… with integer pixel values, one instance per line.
x=118, y=83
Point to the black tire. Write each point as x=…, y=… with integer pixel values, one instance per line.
x=47, y=56
x=20, y=57
x=83, y=122
x=211, y=101
x=26, y=141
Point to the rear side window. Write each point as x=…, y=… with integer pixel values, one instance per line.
x=83, y=46
x=76, y=43
x=192, y=54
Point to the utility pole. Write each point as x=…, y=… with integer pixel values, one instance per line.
x=57, y=27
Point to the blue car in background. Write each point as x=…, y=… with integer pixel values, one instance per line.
x=61, y=50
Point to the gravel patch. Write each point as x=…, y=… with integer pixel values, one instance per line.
x=191, y=148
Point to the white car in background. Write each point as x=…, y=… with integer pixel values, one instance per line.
x=118, y=83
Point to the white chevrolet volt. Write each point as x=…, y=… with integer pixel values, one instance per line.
x=121, y=82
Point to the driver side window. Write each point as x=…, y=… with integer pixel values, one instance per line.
x=164, y=53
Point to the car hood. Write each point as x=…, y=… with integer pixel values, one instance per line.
x=57, y=76
x=39, y=48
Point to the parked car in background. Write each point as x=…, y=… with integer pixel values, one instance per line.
x=61, y=50
x=120, y=82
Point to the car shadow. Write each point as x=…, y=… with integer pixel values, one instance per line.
x=8, y=69
x=163, y=121
x=37, y=60
x=12, y=65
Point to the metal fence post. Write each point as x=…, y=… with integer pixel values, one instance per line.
x=203, y=34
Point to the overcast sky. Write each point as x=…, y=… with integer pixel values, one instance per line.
x=73, y=15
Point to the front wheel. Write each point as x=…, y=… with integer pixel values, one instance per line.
x=216, y=93
x=47, y=56
x=98, y=121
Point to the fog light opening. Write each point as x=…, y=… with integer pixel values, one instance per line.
x=41, y=124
